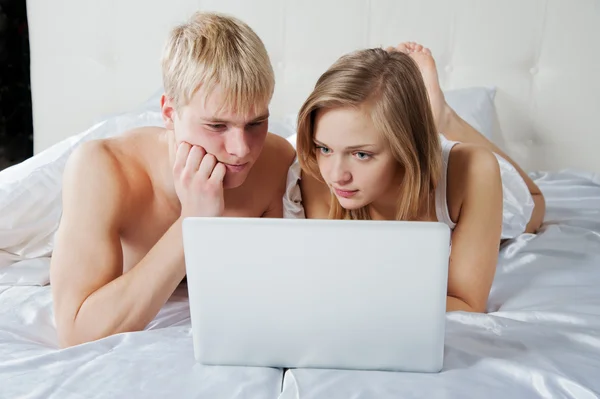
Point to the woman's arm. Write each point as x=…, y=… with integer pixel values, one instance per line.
x=474, y=182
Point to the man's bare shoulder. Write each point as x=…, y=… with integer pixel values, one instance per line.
x=95, y=169
x=276, y=157
x=277, y=149
x=110, y=168
x=118, y=156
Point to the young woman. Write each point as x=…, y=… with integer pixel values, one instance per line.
x=369, y=148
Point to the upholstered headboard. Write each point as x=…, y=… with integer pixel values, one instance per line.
x=91, y=58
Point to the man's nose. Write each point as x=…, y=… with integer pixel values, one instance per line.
x=237, y=143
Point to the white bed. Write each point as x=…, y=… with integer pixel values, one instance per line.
x=156, y=363
x=541, y=337
x=94, y=66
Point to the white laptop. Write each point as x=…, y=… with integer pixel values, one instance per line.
x=297, y=293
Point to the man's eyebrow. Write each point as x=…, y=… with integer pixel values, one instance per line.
x=214, y=120
x=219, y=121
x=350, y=148
x=260, y=118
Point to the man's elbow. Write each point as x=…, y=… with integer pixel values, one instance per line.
x=69, y=337
x=71, y=334
x=68, y=324
x=77, y=332
x=66, y=343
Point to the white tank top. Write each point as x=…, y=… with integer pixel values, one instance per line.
x=441, y=202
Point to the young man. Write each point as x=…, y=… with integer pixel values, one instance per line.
x=118, y=253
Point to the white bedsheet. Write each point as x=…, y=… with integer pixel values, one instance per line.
x=541, y=338
x=155, y=363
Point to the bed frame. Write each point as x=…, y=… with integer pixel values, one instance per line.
x=95, y=57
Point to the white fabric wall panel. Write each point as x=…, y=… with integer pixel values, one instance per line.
x=91, y=58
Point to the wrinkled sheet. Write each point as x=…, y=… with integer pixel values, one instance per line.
x=156, y=363
x=541, y=337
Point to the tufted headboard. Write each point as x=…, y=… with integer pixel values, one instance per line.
x=91, y=58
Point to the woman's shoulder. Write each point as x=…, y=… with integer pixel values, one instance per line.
x=473, y=160
x=472, y=169
x=315, y=196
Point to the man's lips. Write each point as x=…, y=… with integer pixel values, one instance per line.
x=236, y=168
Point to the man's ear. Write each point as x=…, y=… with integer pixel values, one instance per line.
x=167, y=112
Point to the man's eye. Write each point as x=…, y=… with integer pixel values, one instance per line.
x=218, y=126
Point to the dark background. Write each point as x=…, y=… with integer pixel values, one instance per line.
x=16, y=125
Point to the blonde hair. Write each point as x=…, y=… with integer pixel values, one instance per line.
x=389, y=86
x=212, y=49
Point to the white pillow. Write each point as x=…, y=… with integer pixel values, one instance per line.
x=31, y=201
x=282, y=127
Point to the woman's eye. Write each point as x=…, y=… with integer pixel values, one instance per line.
x=362, y=155
x=324, y=150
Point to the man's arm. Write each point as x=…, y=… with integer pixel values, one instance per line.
x=92, y=298
x=476, y=237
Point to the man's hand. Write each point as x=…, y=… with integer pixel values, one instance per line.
x=198, y=181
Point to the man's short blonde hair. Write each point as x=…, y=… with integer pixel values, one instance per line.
x=213, y=49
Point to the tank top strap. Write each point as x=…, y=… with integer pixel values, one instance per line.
x=441, y=202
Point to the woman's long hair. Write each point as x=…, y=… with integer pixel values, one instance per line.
x=391, y=87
